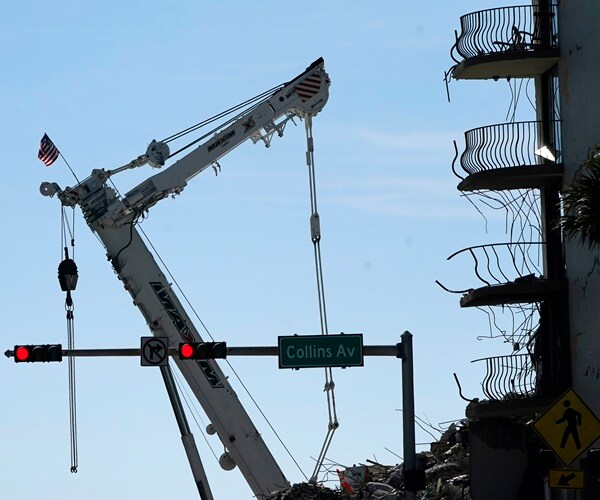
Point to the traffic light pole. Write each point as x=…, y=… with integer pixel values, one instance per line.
x=368, y=350
x=414, y=479
x=189, y=444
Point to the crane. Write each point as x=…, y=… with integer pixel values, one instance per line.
x=113, y=218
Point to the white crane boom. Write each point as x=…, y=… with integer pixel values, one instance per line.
x=113, y=219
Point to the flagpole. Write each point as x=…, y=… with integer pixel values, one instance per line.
x=65, y=160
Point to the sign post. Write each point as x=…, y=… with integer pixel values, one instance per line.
x=414, y=478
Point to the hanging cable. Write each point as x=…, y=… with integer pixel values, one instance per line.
x=514, y=99
x=72, y=390
x=315, y=230
x=67, y=277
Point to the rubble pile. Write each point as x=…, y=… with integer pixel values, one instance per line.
x=307, y=491
x=446, y=468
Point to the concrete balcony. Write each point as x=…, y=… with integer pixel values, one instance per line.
x=507, y=42
x=518, y=292
x=510, y=156
x=509, y=273
x=525, y=407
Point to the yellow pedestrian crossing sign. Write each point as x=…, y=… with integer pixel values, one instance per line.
x=569, y=427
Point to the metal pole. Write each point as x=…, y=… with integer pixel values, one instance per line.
x=368, y=350
x=187, y=437
x=408, y=411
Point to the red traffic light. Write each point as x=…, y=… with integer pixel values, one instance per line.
x=202, y=350
x=187, y=351
x=22, y=353
x=40, y=352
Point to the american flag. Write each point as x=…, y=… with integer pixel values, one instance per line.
x=48, y=152
x=309, y=87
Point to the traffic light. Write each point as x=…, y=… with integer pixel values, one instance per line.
x=36, y=353
x=202, y=350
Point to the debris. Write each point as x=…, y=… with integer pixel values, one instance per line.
x=378, y=491
x=308, y=491
x=446, y=468
x=353, y=478
x=446, y=472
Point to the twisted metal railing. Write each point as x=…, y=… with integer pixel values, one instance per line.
x=509, y=377
x=507, y=145
x=521, y=28
x=515, y=323
x=497, y=263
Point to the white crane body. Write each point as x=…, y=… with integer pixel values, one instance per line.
x=114, y=218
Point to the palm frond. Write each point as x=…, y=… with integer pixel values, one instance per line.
x=581, y=203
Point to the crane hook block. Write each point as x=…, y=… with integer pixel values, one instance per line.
x=67, y=275
x=157, y=153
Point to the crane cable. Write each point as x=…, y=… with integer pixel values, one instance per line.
x=315, y=230
x=246, y=106
x=279, y=438
x=262, y=97
x=67, y=276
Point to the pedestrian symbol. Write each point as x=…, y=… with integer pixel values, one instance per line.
x=573, y=419
x=569, y=427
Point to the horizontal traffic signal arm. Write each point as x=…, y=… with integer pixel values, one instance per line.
x=368, y=350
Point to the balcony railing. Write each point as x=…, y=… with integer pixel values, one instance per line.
x=519, y=29
x=496, y=265
x=506, y=145
x=509, y=377
x=499, y=263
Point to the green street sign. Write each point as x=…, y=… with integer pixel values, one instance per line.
x=321, y=351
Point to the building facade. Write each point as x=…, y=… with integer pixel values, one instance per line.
x=549, y=283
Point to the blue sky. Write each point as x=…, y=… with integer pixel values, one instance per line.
x=103, y=80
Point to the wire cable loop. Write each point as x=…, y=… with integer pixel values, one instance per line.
x=333, y=423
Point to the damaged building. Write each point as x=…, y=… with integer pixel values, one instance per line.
x=547, y=284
